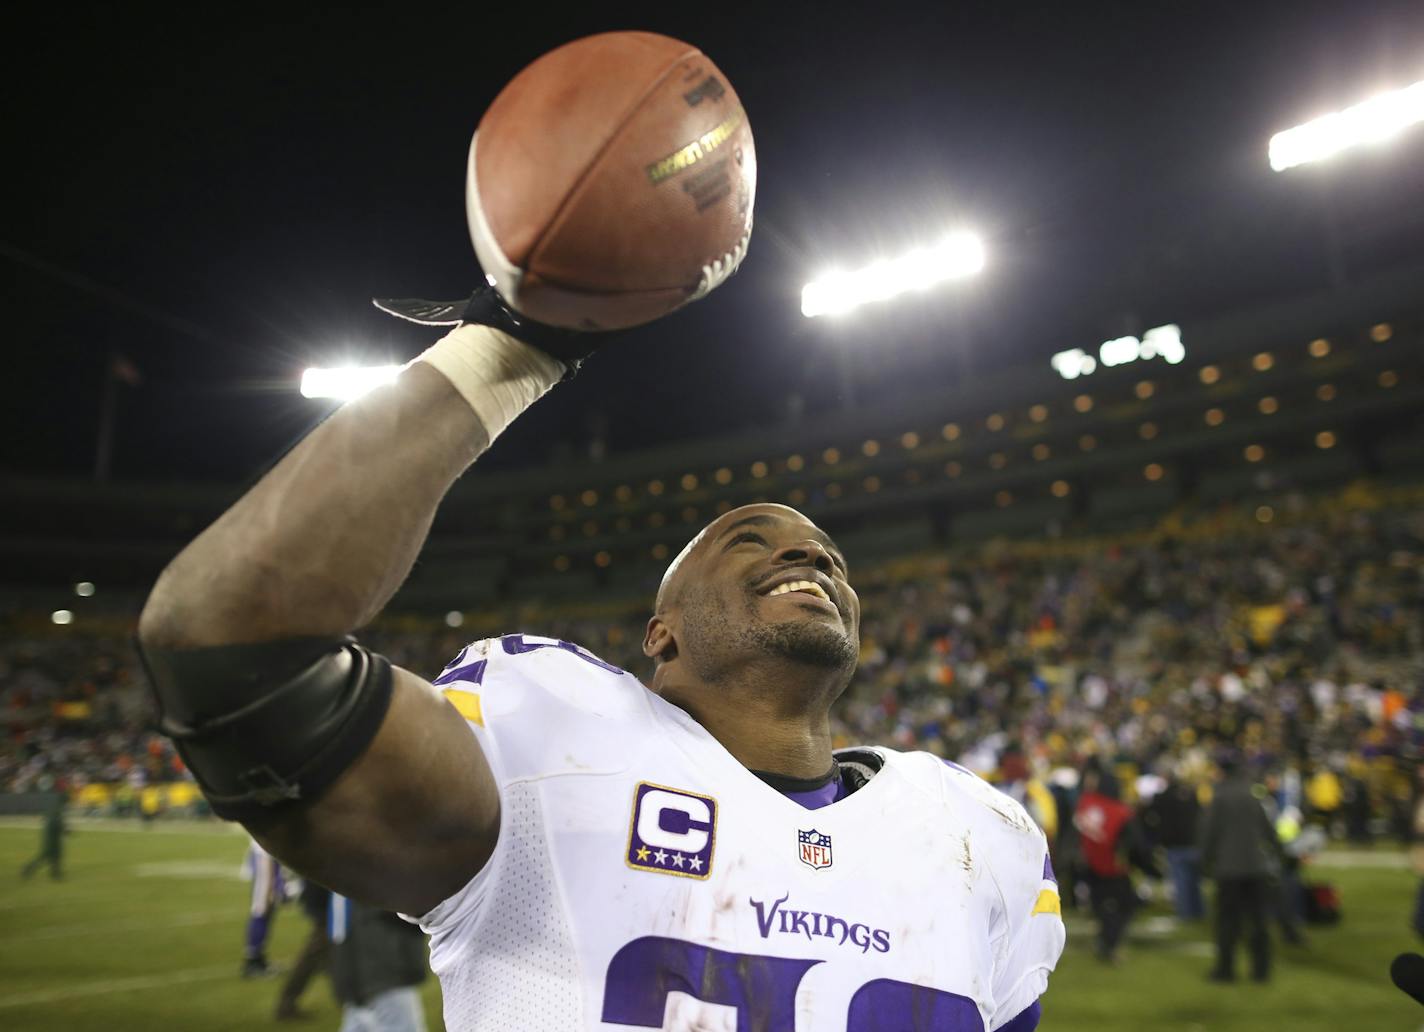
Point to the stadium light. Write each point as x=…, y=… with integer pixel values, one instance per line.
x=1164, y=342
x=958, y=256
x=346, y=382
x=1376, y=120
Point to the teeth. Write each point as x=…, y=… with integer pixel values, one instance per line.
x=810, y=587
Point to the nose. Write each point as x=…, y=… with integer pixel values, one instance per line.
x=805, y=553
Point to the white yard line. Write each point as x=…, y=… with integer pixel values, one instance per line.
x=64, y=931
x=192, y=870
x=106, y=986
x=131, y=826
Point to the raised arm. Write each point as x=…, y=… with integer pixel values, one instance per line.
x=314, y=551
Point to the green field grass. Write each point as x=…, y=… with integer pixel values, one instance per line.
x=145, y=932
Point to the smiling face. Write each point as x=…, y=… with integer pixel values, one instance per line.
x=760, y=582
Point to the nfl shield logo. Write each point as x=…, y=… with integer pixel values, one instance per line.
x=814, y=848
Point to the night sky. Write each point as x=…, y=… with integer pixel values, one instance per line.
x=216, y=194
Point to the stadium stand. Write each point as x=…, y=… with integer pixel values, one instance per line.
x=1291, y=631
x=1133, y=567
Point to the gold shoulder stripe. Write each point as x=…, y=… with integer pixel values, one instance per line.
x=467, y=704
x=1047, y=903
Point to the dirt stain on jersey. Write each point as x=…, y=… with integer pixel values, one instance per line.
x=1013, y=818
x=726, y=889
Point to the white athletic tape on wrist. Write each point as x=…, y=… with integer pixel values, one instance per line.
x=499, y=376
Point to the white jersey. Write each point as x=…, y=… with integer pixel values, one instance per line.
x=643, y=878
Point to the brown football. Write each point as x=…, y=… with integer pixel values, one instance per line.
x=611, y=181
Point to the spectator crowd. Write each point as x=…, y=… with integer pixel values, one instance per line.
x=1293, y=640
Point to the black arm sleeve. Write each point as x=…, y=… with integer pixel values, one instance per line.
x=268, y=726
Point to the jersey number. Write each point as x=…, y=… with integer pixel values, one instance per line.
x=762, y=990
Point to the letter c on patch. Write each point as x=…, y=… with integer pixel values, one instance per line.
x=650, y=825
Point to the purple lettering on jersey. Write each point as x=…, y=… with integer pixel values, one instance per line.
x=643, y=973
x=1048, y=869
x=787, y=921
x=763, y=918
x=471, y=673
x=518, y=645
x=886, y=1004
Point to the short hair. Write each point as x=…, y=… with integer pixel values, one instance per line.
x=661, y=600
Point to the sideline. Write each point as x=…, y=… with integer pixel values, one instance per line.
x=1385, y=858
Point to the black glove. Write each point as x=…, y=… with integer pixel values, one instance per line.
x=486, y=308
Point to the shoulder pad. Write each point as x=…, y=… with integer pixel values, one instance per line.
x=964, y=783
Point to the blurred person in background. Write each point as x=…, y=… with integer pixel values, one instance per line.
x=1063, y=783
x=1240, y=850
x=1357, y=802
x=267, y=889
x=377, y=961
x=1103, y=822
x=1017, y=780
x=313, y=956
x=1324, y=793
x=1171, y=819
x=52, y=834
x=1298, y=845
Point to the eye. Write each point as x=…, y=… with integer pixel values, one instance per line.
x=747, y=535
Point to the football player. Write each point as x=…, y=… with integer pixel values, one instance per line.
x=268, y=889
x=586, y=851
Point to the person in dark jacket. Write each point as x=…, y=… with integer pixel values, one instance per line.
x=377, y=961
x=1240, y=850
x=1171, y=820
x=316, y=904
x=51, y=840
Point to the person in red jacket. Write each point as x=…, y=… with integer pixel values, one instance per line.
x=1104, y=824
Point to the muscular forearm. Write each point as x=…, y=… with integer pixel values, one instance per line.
x=325, y=539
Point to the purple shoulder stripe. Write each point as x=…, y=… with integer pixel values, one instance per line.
x=1025, y=1021
x=471, y=672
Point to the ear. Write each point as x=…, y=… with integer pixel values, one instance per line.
x=658, y=641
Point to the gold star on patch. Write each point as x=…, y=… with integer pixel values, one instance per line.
x=642, y=853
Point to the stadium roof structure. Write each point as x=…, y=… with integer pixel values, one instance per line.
x=1115, y=167
x=1308, y=393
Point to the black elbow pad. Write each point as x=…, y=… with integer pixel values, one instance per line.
x=267, y=726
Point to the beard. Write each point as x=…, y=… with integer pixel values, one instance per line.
x=814, y=644
x=715, y=644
